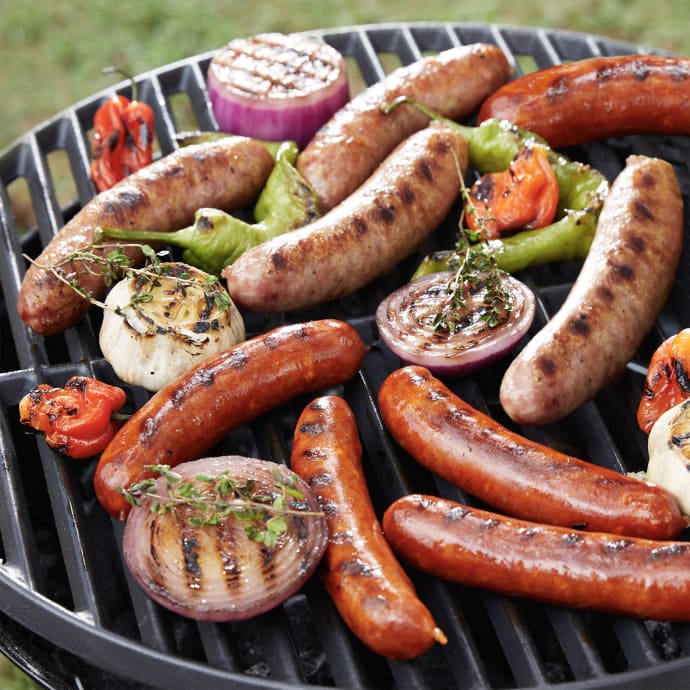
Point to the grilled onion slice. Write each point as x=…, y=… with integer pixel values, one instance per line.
x=155, y=330
x=276, y=86
x=406, y=324
x=218, y=573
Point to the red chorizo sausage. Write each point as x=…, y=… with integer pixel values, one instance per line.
x=596, y=98
x=626, y=576
x=514, y=474
x=623, y=284
x=188, y=416
x=383, y=222
x=349, y=147
x=226, y=174
x=370, y=589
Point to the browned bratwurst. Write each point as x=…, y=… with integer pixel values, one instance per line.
x=623, y=284
x=347, y=149
x=188, y=416
x=512, y=473
x=383, y=222
x=626, y=576
x=596, y=98
x=226, y=174
x=370, y=589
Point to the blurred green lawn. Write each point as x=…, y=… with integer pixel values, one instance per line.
x=52, y=51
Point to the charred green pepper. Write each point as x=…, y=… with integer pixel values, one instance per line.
x=582, y=189
x=216, y=239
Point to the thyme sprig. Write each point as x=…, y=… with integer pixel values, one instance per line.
x=213, y=499
x=475, y=268
x=113, y=263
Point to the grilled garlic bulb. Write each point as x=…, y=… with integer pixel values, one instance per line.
x=157, y=327
x=669, y=453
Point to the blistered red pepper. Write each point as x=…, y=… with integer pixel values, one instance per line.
x=122, y=140
x=77, y=420
x=525, y=196
x=667, y=382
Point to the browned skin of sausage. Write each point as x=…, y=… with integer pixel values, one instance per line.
x=623, y=284
x=188, y=416
x=597, y=98
x=226, y=174
x=383, y=222
x=627, y=576
x=347, y=149
x=371, y=591
x=512, y=473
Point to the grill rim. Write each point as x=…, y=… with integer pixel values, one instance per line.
x=69, y=124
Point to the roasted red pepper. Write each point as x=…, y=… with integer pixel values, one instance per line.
x=668, y=379
x=525, y=196
x=77, y=420
x=122, y=141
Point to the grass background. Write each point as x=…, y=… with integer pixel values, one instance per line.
x=52, y=51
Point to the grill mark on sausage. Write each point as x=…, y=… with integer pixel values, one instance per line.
x=642, y=210
x=579, y=326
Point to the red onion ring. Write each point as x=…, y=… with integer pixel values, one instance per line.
x=218, y=573
x=405, y=321
x=276, y=87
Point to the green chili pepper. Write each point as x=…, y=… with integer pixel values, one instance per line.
x=216, y=239
x=491, y=147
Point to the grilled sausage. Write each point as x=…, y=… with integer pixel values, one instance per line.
x=626, y=576
x=164, y=196
x=596, y=98
x=376, y=227
x=370, y=589
x=514, y=474
x=349, y=147
x=624, y=282
x=188, y=416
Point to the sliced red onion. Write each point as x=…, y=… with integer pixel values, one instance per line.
x=277, y=87
x=405, y=320
x=217, y=573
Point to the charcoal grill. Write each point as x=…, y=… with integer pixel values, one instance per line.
x=70, y=614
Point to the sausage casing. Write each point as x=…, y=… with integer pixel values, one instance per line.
x=628, y=576
x=596, y=98
x=623, y=284
x=514, y=474
x=226, y=174
x=370, y=589
x=349, y=147
x=383, y=222
x=188, y=416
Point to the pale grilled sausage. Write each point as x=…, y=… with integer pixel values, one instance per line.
x=347, y=149
x=383, y=222
x=623, y=284
x=225, y=174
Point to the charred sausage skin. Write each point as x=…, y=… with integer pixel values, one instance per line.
x=188, y=416
x=623, y=284
x=626, y=576
x=226, y=174
x=370, y=589
x=514, y=474
x=383, y=222
x=349, y=147
x=596, y=98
